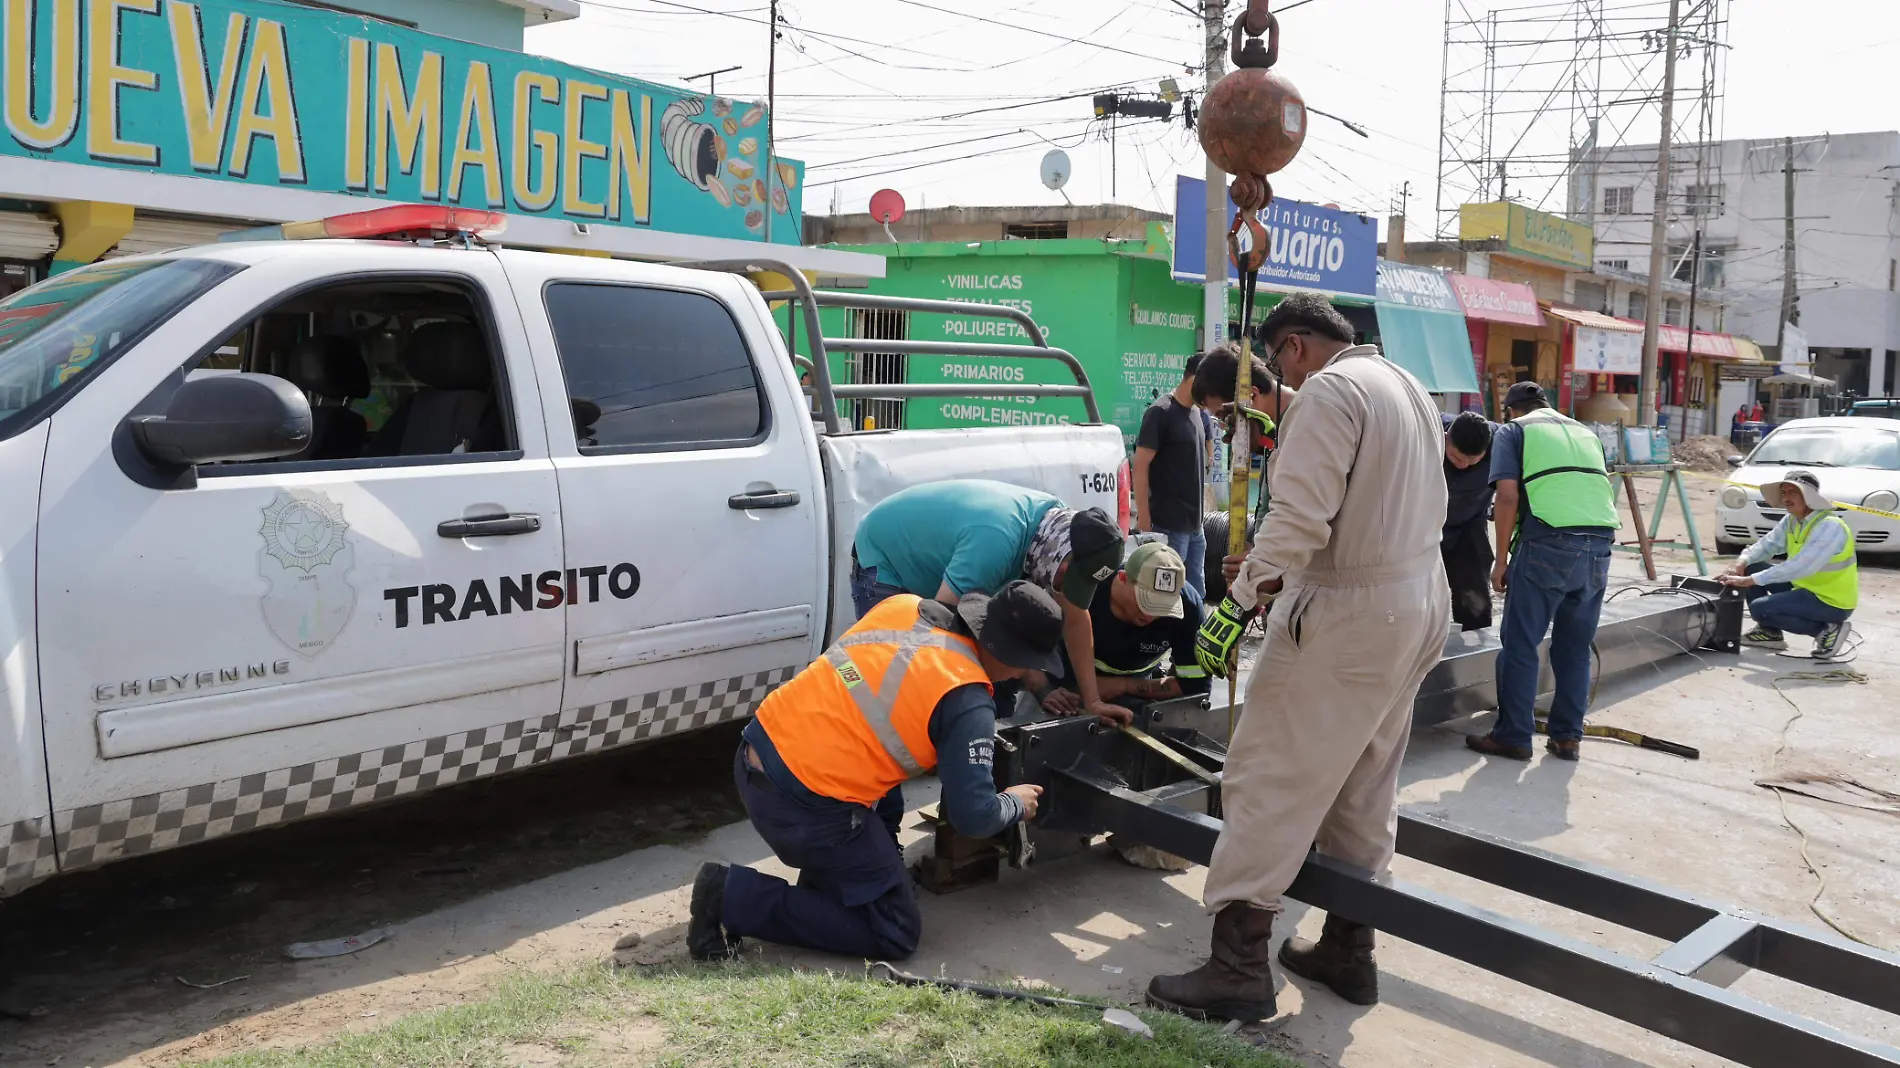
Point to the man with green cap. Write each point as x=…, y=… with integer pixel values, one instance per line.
x=1145, y=614
x=961, y=536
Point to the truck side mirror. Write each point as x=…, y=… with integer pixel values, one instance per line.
x=226, y=418
x=1735, y=461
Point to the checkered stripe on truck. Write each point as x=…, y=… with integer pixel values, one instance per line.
x=95, y=834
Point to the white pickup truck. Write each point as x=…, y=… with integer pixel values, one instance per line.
x=290, y=527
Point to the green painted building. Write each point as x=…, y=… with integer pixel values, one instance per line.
x=1112, y=303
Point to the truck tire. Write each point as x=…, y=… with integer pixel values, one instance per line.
x=1215, y=526
x=1728, y=548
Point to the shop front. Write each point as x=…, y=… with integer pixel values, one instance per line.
x=204, y=117
x=1314, y=249
x=1689, y=379
x=1112, y=304
x=1422, y=328
x=1511, y=340
x=1602, y=365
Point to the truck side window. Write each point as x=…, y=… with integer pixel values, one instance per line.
x=654, y=368
x=392, y=368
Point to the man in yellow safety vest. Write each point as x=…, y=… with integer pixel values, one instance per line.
x=1555, y=519
x=1817, y=588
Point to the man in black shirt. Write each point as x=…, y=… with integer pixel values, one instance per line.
x=1466, y=544
x=1171, y=473
x=1140, y=617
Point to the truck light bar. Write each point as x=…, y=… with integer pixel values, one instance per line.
x=399, y=222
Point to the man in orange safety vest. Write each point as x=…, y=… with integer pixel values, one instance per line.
x=909, y=690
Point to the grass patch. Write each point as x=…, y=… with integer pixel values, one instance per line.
x=690, y=1017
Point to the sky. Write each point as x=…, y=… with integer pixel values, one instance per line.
x=953, y=102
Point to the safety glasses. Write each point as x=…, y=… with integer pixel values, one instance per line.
x=1273, y=358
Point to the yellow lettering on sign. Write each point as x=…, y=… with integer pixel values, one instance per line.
x=531, y=195
x=356, y=116
x=266, y=108
x=20, y=59
x=105, y=76
x=478, y=117
x=578, y=94
x=207, y=108
x=407, y=116
x=631, y=154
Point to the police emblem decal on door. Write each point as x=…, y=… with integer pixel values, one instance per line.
x=306, y=561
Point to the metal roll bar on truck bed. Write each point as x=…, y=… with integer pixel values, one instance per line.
x=807, y=301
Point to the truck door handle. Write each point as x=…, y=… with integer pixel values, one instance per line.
x=493, y=526
x=763, y=499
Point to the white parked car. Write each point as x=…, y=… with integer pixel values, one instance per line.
x=1857, y=460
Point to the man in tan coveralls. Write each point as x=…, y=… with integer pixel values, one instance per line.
x=1360, y=610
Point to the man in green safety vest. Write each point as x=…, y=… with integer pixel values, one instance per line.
x=1817, y=588
x=1555, y=519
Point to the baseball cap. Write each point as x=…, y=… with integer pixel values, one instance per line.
x=1095, y=554
x=1157, y=574
x=1524, y=393
x=1021, y=625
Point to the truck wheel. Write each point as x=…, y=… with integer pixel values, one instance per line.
x=1728, y=548
x=1215, y=526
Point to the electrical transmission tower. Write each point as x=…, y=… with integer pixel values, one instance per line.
x=1534, y=94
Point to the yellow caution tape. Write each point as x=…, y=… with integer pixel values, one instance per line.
x=1838, y=505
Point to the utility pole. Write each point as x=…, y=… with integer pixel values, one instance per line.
x=1214, y=294
x=1659, y=226
x=1790, y=290
x=1688, y=353
x=771, y=114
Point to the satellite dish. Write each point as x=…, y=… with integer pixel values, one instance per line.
x=1056, y=169
x=887, y=206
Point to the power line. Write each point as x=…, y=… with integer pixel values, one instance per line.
x=925, y=148
x=958, y=159
x=1043, y=33
x=966, y=114
x=762, y=22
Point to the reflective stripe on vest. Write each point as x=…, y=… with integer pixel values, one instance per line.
x=1565, y=482
x=878, y=705
x=856, y=722
x=1838, y=583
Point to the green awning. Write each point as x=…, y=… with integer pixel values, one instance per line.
x=1433, y=345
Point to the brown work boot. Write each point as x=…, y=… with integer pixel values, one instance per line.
x=1490, y=746
x=1236, y=983
x=1341, y=959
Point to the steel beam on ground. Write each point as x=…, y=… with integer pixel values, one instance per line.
x=1152, y=787
x=1680, y=994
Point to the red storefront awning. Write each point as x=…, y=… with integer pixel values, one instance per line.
x=1707, y=346
x=1497, y=302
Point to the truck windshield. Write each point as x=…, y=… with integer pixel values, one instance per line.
x=56, y=335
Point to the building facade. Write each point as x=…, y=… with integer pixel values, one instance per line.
x=1547, y=307
x=1846, y=217
x=133, y=126
x=1086, y=222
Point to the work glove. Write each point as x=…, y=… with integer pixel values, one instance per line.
x=1263, y=425
x=1219, y=633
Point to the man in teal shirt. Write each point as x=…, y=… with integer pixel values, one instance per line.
x=947, y=539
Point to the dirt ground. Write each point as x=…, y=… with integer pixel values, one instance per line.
x=548, y=869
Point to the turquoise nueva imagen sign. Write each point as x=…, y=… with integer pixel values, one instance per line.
x=270, y=93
